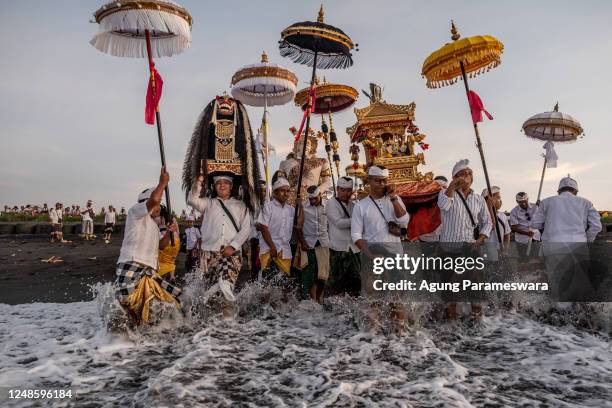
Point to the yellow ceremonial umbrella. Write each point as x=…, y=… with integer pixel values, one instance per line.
x=474, y=56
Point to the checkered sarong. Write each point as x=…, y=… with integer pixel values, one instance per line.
x=216, y=266
x=128, y=276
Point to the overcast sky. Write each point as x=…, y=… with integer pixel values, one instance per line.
x=71, y=118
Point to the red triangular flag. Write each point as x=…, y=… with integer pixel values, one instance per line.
x=477, y=107
x=154, y=91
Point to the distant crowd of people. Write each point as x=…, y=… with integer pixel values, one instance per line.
x=73, y=210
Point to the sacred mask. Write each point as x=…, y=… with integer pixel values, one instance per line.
x=225, y=105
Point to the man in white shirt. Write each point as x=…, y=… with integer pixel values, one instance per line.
x=345, y=263
x=465, y=219
x=87, y=216
x=226, y=225
x=314, y=240
x=494, y=204
x=56, y=216
x=275, y=225
x=567, y=217
x=109, y=223
x=520, y=218
x=193, y=240
x=464, y=214
x=569, y=223
x=379, y=217
x=138, y=259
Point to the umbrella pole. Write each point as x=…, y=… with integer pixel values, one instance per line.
x=160, y=137
x=265, y=137
x=541, y=180
x=298, y=198
x=331, y=127
x=480, y=150
x=329, y=158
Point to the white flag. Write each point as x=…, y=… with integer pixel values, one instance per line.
x=551, y=155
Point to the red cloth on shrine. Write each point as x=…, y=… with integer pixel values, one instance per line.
x=421, y=200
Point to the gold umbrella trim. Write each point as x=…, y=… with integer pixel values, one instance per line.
x=318, y=32
x=479, y=54
x=326, y=90
x=257, y=72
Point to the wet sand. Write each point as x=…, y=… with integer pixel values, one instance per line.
x=24, y=278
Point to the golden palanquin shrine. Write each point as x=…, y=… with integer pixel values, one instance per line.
x=389, y=137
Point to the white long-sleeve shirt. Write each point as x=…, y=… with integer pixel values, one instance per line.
x=217, y=229
x=315, y=225
x=367, y=222
x=567, y=218
x=141, y=237
x=522, y=218
x=279, y=220
x=456, y=223
x=339, y=225
x=192, y=234
x=109, y=217
x=85, y=213
x=56, y=216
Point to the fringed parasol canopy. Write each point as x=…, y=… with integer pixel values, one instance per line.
x=330, y=98
x=264, y=84
x=123, y=23
x=479, y=54
x=299, y=42
x=553, y=126
x=355, y=170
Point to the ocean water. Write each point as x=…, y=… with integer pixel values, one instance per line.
x=300, y=354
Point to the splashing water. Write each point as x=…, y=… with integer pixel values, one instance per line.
x=283, y=352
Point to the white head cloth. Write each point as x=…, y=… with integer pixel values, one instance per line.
x=345, y=182
x=315, y=193
x=190, y=218
x=375, y=171
x=494, y=190
x=522, y=196
x=280, y=182
x=145, y=195
x=460, y=165
x=442, y=181
x=568, y=182
x=218, y=178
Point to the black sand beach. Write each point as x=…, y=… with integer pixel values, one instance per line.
x=25, y=278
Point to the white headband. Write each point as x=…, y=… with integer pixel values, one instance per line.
x=568, y=182
x=494, y=190
x=375, y=171
x=280, y=182
x=315, y=193
x=218, y=178
x=522, y=196
x=345, y=182
x=145, y=195
x=460, y=165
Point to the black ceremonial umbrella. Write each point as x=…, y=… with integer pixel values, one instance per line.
x=317, y=45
